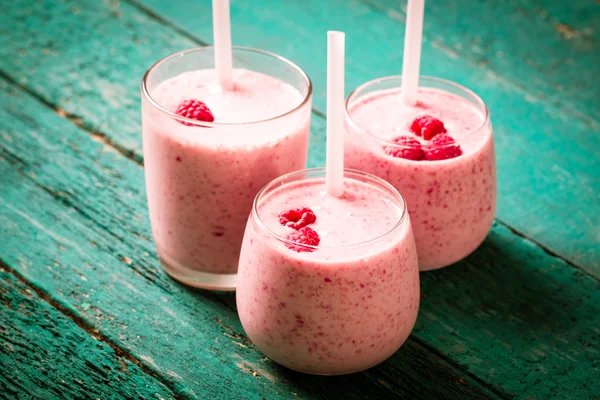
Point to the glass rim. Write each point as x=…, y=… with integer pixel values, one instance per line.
x=278, y=181
x=193, y=122
x=387, y=143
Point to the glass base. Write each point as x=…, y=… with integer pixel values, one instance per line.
x=199, y=279
x=453, y=261
x=352, y=371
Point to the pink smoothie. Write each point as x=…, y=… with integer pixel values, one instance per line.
x=201, y=181
x=451, y=202
x=344, y=307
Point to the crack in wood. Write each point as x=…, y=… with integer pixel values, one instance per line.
x=76, y=120
x=93, y=332
x=461, y=368
x=545, y=249
x=63, y=199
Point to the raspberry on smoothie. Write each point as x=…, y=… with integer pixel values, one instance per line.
x=297, y=218
x=427, y=126
x=304, y=236
x=194, y=109
x=410, y=148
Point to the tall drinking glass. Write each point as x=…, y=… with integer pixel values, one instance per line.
x=208, y=151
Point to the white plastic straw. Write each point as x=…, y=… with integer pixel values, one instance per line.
x=222, y=42
x=412, y=51
x=334, y=170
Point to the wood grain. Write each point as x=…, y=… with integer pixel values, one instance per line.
x=489, y=314
x=546, y=156
x=45, y=355
x=83, y=216
x=520, y=320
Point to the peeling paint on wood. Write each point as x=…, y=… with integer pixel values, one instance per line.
x=518, y=319
x=45, y=355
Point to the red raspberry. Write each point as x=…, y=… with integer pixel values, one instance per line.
x=305, y=236
x=409, y=148
x=194, y=109
x=442, y=147
x=427, y=126
x=298, y=218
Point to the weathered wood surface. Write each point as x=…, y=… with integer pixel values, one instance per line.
x=511, y=317
x=45, y=355
x=479, y=314
x=85, y=225
x=547, y=155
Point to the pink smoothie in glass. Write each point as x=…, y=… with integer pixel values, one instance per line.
x=339, y=307
x=451, y=202
x=201, y=180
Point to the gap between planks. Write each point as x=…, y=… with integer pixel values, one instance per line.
x=76, y=120
x=95, y=333
x=61, y=199
x=460, y=367
x=548, y=251
x=137, y=158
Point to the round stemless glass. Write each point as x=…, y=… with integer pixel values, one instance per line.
x=201, y=177
x=330, y=310
x=451, y=202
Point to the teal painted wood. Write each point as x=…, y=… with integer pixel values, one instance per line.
x=548, y=48
x=45, y=355
x=489, y=314
x=102, y=88
x=548, y=153
x=76, y=226
x=81, y=99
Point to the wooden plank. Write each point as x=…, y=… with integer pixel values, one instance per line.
x=45, y=355
x=515, y=317
x=76, y=226
x=543, y=152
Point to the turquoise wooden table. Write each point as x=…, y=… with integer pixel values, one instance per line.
x=85, y=308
